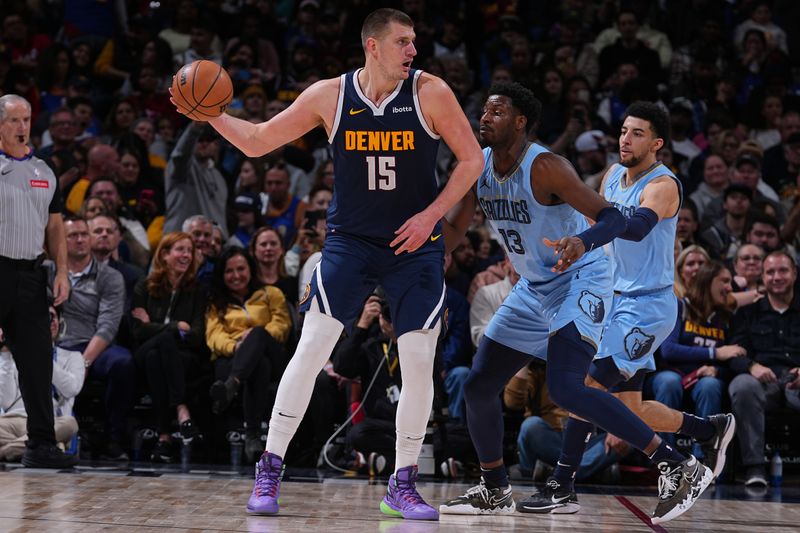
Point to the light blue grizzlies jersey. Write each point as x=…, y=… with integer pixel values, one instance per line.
x=523, y=223
x=649, y=264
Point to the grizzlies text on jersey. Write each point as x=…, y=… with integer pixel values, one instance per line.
x=384, y=160
x=522, y=222
x=542, y=302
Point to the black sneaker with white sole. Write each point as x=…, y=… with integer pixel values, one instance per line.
x=480, y=499
x=679, y=487
x=553, y=498
x=714, y=448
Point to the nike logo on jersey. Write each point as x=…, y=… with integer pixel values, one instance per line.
x=286, y=416
x=6, y=171
x=356, y=112
x=435, y=238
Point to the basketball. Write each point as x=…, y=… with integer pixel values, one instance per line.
x=202, y=90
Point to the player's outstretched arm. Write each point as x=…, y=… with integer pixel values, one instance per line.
x=315, y=106
x=556, y=177
x=445, y=117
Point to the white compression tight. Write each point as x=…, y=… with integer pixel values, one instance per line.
x=417, y=350
x=317, y=340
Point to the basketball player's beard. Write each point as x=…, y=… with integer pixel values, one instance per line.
x=632, y=162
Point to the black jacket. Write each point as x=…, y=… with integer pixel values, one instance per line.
x=770, y=338
x=359, y=356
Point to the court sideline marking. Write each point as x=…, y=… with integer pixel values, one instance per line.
x=638, y=513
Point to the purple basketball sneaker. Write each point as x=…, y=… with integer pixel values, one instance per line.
x=267, y=488
x=403, y=500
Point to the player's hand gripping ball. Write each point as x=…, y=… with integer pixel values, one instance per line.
x=201, y=90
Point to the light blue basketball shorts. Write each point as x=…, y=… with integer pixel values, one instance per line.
x=534, y=311
x=637, y=325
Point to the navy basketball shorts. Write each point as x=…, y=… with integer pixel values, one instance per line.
x=352, y=267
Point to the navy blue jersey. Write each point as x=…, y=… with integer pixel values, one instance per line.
x=384, y=160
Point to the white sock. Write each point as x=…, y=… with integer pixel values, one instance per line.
x=417, y=350
x=317, y=339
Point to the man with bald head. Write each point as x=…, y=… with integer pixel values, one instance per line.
x=101, y=161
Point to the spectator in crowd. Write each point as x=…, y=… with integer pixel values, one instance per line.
x=68, y=375
x=104, y=239
x=102, y=161
x=487, y=300
x=462, y=270
x=763, y=231
x=250, y=177
x=769, y=376
x=217, y=241
x=766, y=110
x=201, y=43
x=686, y=266
x=134, y=234
x=715, y=179
x=91, y=207
x=201, y=230
x=592, y=158
x=725, y=234
x=193, y=184
x=695, y=351
x=267, y=249
x=456, y=350
x=372, y=349
x=246, y=326
x=247, y=209
x=686, y=228
x=539, y=439
x=169, y=332
x=782, y=162
x=628, y=48
x=761, y=19
x=284, y=212
x=92, y=316
x=747, y=266
x=63, y=132
x=747, y=172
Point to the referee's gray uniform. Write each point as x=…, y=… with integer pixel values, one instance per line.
x=28, y=195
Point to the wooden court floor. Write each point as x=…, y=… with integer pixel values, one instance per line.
x=89, y=500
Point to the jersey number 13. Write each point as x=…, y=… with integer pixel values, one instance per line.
x=380, y=173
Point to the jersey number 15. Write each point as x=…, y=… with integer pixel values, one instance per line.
x=380, y=173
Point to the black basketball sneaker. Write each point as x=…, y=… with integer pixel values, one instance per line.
x=553, y=498
x=480, y=499
x=715, y=447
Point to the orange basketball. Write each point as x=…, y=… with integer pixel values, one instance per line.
x=202, y=90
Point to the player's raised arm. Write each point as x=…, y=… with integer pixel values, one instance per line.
x=556, y=177
x=445, y=117
x=314, y=107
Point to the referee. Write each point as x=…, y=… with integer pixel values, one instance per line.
x=30, y=215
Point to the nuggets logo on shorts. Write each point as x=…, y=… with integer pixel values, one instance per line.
x=638, y=343
x=592, y=306
x=305, y=293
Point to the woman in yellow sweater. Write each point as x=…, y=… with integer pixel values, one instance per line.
x=246, y=326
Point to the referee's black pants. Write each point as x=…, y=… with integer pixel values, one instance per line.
x=25, y=322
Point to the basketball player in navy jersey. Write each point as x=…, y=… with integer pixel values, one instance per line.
x=384, y=123
x=643, y=314
x=557, y=308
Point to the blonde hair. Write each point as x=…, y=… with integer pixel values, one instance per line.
x=680, y=287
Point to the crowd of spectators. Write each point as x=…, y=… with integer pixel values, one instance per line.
x=187, y=259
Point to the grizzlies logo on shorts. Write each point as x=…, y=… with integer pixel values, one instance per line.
x=592, y=306
x=638, y=343
x=636, y=326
